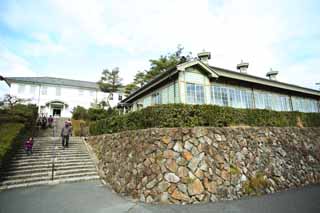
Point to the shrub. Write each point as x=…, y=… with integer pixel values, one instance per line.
x=180, y=115
x=9, y=136
x=19, y=113
x=80, y=113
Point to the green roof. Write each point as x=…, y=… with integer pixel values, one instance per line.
x=54, y=81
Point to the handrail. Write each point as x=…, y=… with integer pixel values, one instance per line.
x=53, y=149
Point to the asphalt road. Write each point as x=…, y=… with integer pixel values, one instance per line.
x=92, y=197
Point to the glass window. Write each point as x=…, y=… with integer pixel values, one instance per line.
x=156, y=98
x=44, y=90
x=32, y=89
x=231, y=96
x=195, y=93
x=58, y=91
x=304, y=104
x=21, y=88
x=120, y=97
x=111, y=96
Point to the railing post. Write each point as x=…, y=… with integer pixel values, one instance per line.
x=53, y=150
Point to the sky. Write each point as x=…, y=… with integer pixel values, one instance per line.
x=77, y=39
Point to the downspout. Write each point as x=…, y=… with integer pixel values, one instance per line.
x=291, y=105
x=39, y=99
x=253, y=98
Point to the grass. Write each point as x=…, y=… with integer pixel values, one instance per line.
x=255, y=185
x=8, y=133
x=76, y=130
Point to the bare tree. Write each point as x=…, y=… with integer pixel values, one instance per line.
x=12, y=100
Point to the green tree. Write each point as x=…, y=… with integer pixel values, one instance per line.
x=79, y=112
x=110, y=81
x=139, y=78
x=160, y=65
x=130, y=88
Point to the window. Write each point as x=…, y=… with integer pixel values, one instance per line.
x=21, y=88
x=32, y=89
x=111, y=96
x=91, y=93
x=304, y=104
x=58, y=91
x=231, y=96
x=195, y=94
x=120, y=97
x=81, y=92
x=156, y=98
x=44, y=90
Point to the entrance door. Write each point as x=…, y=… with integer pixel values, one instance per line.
x=56, y=112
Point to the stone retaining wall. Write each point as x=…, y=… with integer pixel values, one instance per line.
x=191, y=165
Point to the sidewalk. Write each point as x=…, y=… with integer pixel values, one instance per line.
x=93, y=197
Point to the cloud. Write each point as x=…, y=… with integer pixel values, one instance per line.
x=13, y=65
x=132, y=31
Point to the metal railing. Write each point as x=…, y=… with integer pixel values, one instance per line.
x=54, y=133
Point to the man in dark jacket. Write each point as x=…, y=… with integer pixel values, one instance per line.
x=65, y=133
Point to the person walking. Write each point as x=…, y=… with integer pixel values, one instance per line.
x=65, y=133
x=50, y=121
x=28, y=146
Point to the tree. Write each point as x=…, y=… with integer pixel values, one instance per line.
x=79, y=112
x=139, y=78
x=160, y=65
x=12, y=100
x=110, y=80
x=130, y=88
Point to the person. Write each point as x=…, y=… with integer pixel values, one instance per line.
x=28, y=146
x=50, y=121
x=65, y=133
x=44, y=122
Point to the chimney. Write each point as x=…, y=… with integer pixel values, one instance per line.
x=243, y=67
x=272, y=74
x=204, y=56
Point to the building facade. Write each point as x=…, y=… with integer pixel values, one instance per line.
x=196, y=82
x=57, y=96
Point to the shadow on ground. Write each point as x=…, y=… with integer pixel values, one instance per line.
x=93, y=197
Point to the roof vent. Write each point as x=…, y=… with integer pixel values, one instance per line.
x=204, y=56
x=243, y=67
x=272, y=74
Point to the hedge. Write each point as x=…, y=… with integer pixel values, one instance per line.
x=11, y=134
x=16, y=124
x=180, y=115
x=26, y=114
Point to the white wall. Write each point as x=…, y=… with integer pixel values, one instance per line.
x=71, y=96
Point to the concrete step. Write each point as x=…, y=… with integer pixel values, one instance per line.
x=28, y=167
x=59, y=172
x=27, y=171
x=73, y=164
x=24, y=181
x=74, y=175
x=19, y=185
x=77, y=179
x=29, y=162
x=45, y=156
x=26, y=175
x=62, y=167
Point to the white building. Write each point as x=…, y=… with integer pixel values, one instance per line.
x=58, y=96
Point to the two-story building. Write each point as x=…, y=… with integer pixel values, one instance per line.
x=197, y=82
x=58, y=96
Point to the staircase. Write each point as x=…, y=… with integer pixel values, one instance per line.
x=49, y=164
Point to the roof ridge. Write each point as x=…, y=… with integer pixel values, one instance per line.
x=39, y=77
x=266, y=79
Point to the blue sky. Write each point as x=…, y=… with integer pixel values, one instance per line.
x=78, y=39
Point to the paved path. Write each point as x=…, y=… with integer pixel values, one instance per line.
x=93, y=197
